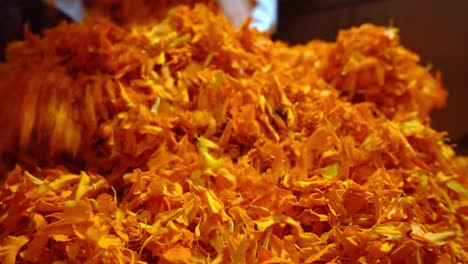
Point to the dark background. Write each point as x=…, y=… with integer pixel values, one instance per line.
x=436, y=30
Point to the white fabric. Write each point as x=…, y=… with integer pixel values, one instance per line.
x=72, y=8
x=264, y=15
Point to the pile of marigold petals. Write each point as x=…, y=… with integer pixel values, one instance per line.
x=189, y=141
x=138, y=12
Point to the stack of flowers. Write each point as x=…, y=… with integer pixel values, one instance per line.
x=189, y=141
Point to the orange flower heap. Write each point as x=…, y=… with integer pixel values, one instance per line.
x=192, y=142
x=137, y=11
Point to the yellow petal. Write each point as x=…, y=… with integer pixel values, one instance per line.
x=331, y=171
x=10, y=247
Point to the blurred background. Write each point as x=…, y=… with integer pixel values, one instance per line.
x=436, y=30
